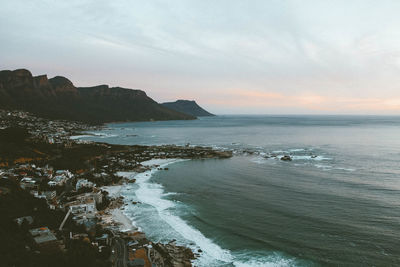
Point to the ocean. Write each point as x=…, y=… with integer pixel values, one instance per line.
x=337, y=203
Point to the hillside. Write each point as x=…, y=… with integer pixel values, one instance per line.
x=188, y=107
x=58, y=98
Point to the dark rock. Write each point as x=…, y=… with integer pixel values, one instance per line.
x=286, y=158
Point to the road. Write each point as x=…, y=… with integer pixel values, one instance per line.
x=120, y=252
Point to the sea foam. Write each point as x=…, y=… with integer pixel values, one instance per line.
x=212, y=254
x=153, y=194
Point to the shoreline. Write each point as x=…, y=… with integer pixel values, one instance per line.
x=205, y=251
x=117, y=214
x=45, y=153
x=169, y=253
x=115, y=191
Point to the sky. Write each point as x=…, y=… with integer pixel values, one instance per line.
x=232, y=57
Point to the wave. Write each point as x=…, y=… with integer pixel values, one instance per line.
x=153, y=194
x=308, y=157
x=273, y=260
x=212, y=254
x=74, y=137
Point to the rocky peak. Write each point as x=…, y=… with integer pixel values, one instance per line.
x=62, y=85
x=187, y=107
x=16, y=78
x=41, y=80
x=22, y=73
x=60, y=81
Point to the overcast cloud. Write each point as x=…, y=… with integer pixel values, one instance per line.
x=231, y=56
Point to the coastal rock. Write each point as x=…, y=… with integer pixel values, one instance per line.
x=174, y=255
x=224, y=154
x=286, y=158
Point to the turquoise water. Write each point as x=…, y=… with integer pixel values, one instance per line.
x=337, y=203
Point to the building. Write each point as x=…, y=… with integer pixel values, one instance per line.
x=20, y=220
x=43, y=238
x=48, y=195
x=96, y=196
x=58, y=180
x=83, y=183
x=65, y=173
x=27, y=183
x=104, y=240
x=61, y=176
x=87, y=206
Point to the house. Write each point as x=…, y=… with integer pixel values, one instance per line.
x=48, y=172
x=104, y=240
x=65, y=173
x=59, y=179
x=48, y=195
x=83, y=183
x=87, y=206
x=43, y=237
x=27, y=183
x=20, y=220
x=96, y=196
x=52, y=183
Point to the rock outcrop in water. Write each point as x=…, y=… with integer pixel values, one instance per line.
x=286, y=158
x=188, y=107
x=58, y=98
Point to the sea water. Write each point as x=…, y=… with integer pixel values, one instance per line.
x=336, y=203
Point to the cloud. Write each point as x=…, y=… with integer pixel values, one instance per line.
x=275, y=56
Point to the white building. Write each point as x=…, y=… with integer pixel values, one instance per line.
x=83, y=183
x=76, y=207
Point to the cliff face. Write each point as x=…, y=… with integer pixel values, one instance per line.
x=58, y=98
x=187, y=107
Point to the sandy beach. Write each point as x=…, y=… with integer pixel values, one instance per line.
x=125, y=223
x=117, y=214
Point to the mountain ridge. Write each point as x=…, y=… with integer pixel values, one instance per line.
x=189, y=107
x=58, y=98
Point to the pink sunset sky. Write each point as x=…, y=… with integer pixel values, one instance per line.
x=232, y=57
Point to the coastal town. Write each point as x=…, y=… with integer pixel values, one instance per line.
x=57, y=199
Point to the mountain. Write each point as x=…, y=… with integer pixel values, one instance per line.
x=58, y=98
x=188, y=107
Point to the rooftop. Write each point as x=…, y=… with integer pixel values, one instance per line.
x=42, y=235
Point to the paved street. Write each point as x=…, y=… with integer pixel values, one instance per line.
x=120, y=252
